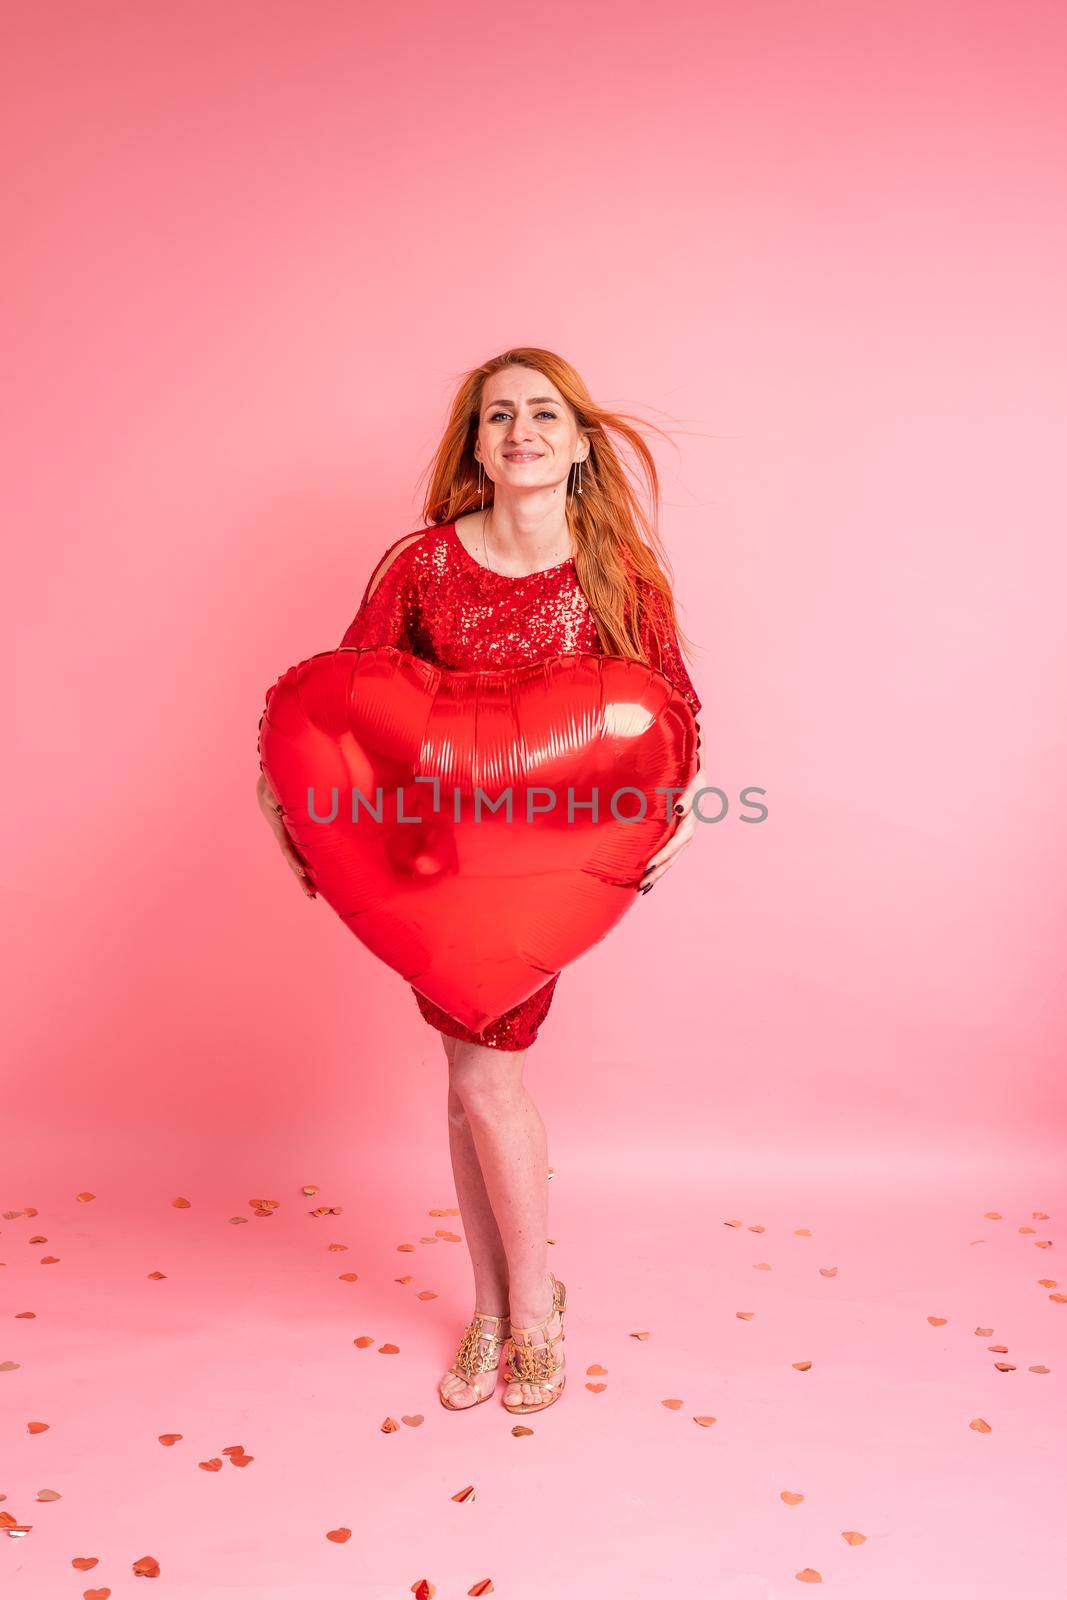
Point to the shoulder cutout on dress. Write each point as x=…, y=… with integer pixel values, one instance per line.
x=390, y=556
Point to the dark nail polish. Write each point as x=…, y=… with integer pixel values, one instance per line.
x=679, y=809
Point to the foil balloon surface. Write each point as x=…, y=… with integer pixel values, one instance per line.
x=477, y=830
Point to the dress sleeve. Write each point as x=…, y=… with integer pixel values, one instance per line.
x=660, y=643
x=390, y=615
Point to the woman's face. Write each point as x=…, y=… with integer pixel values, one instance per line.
x=527, y=434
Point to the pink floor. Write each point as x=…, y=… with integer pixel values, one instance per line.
x=899, y=1379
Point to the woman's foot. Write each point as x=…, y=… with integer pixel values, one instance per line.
x=473, y=1375
x=533, y=1358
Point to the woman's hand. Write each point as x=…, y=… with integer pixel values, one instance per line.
x=665, y=858
x=270, y=808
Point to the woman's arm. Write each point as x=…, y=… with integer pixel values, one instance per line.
x=659, y=640
x=661, y=645
x=268, y=804
x=388, y=612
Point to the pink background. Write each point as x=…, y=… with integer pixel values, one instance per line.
x=250, y=250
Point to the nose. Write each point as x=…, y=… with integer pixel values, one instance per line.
x=519, y=434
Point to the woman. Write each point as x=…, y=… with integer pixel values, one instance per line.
x=554, y=564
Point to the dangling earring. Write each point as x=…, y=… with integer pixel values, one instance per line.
x=579, y=477
x=481, y=484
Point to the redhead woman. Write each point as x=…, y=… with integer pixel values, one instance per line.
x=534, y=545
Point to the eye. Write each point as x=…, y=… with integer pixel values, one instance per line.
x=543, y=413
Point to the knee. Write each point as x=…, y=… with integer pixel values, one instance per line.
x=478, y=1086
x=457, y=1111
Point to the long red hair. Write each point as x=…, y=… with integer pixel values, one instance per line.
x=616, y=538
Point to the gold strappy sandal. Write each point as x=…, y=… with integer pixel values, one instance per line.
x=527, y=1362
x=478, y=1352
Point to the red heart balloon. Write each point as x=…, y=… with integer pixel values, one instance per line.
x=395, y=779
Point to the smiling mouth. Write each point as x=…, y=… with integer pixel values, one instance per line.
x=523, y=455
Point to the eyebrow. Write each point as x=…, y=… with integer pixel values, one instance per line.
x=536, y=400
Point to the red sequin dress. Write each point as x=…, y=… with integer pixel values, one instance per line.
x=437, y=602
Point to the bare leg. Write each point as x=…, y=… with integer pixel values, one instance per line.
x=512, y=1153
x=481, y=1232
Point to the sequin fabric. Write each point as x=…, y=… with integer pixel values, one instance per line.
x=436, y=601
